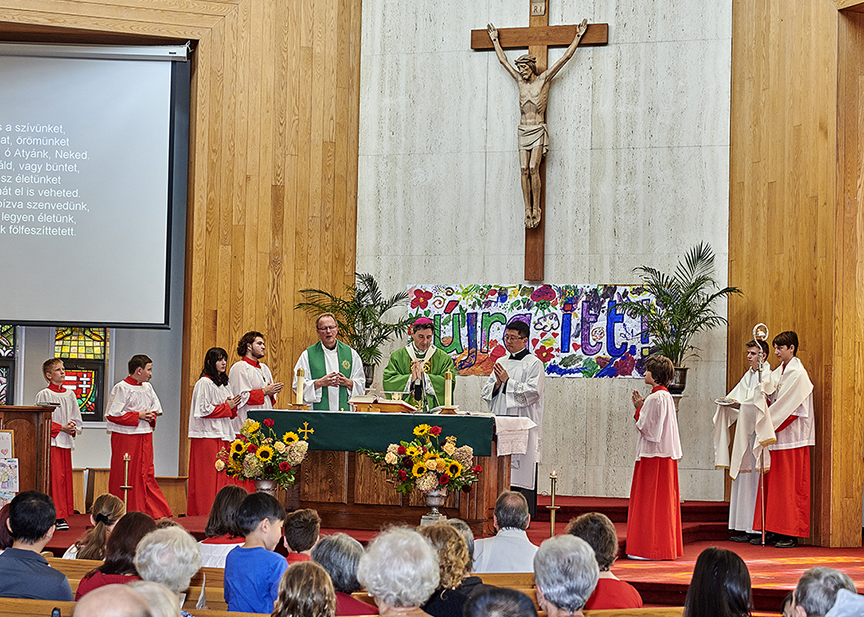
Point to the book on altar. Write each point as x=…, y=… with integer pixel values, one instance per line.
x=372, y=403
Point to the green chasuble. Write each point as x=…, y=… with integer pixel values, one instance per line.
x=317, y=368
x=398, y=371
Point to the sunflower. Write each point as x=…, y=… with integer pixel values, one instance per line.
x=429, y=455
x=238, y=447
x=421, y=430
x=290, y=437
x=419, y=470
x=265, y=454
x=249, y=427
x=412, y=451
x=454, y=469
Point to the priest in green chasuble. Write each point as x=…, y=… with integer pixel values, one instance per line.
x=332, y=371
x=420, y=367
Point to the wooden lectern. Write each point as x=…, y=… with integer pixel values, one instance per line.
x=32, y=433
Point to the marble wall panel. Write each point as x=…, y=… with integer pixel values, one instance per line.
x=637, y=173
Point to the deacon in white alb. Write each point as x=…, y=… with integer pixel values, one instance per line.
x=332, y=371
x=515, y=388
x=752, y=424
x=250, y=376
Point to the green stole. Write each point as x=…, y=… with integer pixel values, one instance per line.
x=318, y=368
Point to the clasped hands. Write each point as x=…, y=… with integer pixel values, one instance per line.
x=332, y=380
x=637, y=399
x=501, y=375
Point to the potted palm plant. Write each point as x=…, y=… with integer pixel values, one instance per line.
x=360, y=317
x=683, y=306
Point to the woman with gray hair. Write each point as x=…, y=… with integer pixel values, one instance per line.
x=400, y=570
x=338, y=555
x=565, y=574
x=169, y=556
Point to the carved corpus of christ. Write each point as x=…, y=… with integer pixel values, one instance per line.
x=533, y=134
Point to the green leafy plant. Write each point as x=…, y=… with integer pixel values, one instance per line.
x=683, y=302
x=360, y=315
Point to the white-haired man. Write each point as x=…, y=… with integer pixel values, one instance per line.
x=565, y=574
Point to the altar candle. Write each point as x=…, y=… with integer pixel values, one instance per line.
x=553, y=477
x=448, y=389
x=298, y=396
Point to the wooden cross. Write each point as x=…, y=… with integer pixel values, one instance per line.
x=538, y=38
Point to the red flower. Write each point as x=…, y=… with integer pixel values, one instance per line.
x=545, y=354
x=543, y=293
x=403, y=475
x=625, y=364
x=268, y=422
x=421, y=299
x=407, y=463
x=435, y=431
x=466, y=488
x=401, y=450
x=284, y=466
x=252, y=448
x=443, y=479
x=477, y=469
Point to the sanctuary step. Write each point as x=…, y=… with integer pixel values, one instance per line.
x=616, y=509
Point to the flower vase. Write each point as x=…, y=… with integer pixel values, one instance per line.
x=263, y=485
x=434, y=499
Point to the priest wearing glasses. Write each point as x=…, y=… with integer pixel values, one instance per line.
x=515, y=388
x=332, y=371
x=419, y=368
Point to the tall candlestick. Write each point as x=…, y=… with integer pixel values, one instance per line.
x=126, y=487
x=298, y=396
x=448, y=389
x=553, y=479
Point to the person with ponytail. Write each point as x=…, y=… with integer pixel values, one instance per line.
x=106, y=511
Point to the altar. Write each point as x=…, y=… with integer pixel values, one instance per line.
x=348, y=492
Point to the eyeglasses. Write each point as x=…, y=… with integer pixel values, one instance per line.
x=513, y=339
x=328, y=328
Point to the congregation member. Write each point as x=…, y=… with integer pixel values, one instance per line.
x=400, y=571
x=106, y=511
x=24, y=573
x=470, y=584
x=339, y=555
x=170, y=557
x=301, y=533
x=160, y=600
x=305, y=591
x=654, y=512
x=611, y=592
x=119, y=566
x=847, y=604
x=449, y=598
x=131, y=414
x=221, y=534
x=66, y=423
x=752, y=423
x=210, y=429
x=5, y=536
x=113, y=601
x=817, y=590
x=719, y=587
x=418, y=369
x=515, y=388
x=252, y=378
x=253, y=570
x=509, y=550
x=565, y=575
x=500, y=602
x=787, y=483
x=332, y=371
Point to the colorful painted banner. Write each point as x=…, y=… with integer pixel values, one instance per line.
x=576, y=330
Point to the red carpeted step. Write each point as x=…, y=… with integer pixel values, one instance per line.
x=616, y=509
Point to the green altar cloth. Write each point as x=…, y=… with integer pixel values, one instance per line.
x=350, y=431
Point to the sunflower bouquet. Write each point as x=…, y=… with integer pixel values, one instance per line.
x=424, y=464
x=260, y=455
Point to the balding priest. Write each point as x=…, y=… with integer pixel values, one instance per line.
x=332, y=371
x=515, y=388
x=420, y=368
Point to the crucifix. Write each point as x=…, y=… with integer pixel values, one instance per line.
x=533, y=137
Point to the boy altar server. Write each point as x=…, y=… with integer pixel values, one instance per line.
x=420, y=366
x=131, y=414
x=252, y=378
x=752, y=425
x=66, y=423
x=515, y=388
x=787, y=484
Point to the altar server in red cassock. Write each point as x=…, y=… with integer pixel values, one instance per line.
x=131, y=414
x=654, y=515
x=252, y=377
x=787, y=483
x=66, y=423
x=210, y=430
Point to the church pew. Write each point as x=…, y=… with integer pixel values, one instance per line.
x=512, y=580
x=14, y=607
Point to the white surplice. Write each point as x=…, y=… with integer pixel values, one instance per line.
x=244, y=378
x=520, y=395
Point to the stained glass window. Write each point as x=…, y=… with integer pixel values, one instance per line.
x=7, y=363
x=84, y=351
